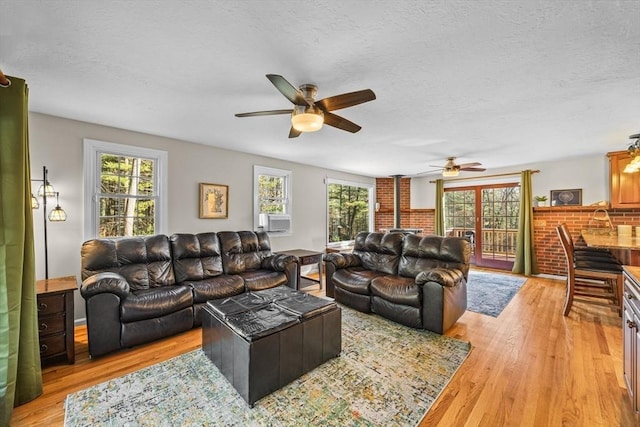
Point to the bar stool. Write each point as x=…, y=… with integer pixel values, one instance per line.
x=592, y=280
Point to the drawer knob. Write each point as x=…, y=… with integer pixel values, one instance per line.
x=44, y=348
x=630, y=296
x=631, y=324
x=42, y=306
x=43, y=326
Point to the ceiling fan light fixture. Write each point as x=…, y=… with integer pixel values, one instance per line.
x=307, y=119
x=450, y=172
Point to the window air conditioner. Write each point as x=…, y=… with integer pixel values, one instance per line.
x=275, y=222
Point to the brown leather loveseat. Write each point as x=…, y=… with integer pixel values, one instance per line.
x=140, y=289
x=417, y=281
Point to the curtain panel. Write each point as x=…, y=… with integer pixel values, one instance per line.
x=20, y=372
x=525, y=262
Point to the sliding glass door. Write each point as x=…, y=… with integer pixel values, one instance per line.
x=488, y=216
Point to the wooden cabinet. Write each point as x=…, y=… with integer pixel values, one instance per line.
x=55, y=319
x=631, y=333
x=624, y=187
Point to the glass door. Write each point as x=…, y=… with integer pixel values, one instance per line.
x=488, y=217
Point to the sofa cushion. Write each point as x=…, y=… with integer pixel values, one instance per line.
x=145, y=262
x=196, y=256
x=256, y=280
x=355, y=279
x=424, y=253
x=222, y=286
x=379, y=251
x=397, y=289
x=243, y=250
x=152, y=303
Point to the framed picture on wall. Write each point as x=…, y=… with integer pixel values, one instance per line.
x=214, y=200
x=566, y=197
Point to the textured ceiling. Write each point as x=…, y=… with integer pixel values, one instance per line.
x=499, y=82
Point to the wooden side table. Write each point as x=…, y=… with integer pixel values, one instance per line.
x=306, y=257
x=55, y=319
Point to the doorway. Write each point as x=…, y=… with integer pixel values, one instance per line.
x=487, y=215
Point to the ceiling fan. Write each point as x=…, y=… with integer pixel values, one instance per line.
x=451, y=168
x=308, y=115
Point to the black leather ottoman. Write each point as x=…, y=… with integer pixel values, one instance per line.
x=261, y=341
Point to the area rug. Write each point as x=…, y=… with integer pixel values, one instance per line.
x=387, y=374
x=489, y=293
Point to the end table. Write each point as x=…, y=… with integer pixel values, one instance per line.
x=306, y=257
x=55, y=319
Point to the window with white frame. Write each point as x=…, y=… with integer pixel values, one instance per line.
x=350, y=210
x=125, y=190
x=272, y=207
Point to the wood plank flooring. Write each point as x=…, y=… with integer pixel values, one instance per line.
x=529, y=367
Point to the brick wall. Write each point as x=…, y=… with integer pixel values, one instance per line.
x=548, y=250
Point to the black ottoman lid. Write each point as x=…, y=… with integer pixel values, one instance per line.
x=306, y=305
x=258, y=323
x=224, y=307
x=277, y=293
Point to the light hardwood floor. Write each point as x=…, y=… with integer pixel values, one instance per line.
x=529, y=367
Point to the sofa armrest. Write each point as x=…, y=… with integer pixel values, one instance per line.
x=343, y=260
x=106, y=282
x=448, y=277
x=277, y=262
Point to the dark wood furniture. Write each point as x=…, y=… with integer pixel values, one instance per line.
x=55, y=319
x=631, y=333
x=306, y=257
x=625, y=187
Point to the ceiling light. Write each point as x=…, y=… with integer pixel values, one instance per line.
x=634, y=151
x=449, y=172
x=306, y=119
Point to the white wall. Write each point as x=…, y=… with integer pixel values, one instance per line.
x=57, y=143
x=590, y=173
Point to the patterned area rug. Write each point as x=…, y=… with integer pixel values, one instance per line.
x=489, y=293
x=387, y=374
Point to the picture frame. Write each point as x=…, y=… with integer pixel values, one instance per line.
x=571, y=197
x=214, y=201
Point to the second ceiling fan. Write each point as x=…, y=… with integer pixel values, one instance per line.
x=451, y=168
x=308, y=115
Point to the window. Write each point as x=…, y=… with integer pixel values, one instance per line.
x=349, y=210
x=125, y=191
x=272, y=199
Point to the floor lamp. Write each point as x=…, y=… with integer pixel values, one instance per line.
x=57, y=214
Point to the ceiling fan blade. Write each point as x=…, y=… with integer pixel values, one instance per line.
x=264, y=113
x=473, y=169
x=346, y=100
x=287, y=89
x=466, y=165
x=340, y=123
x=293, y=133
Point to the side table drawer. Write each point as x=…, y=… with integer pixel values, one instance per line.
x=52, y=345
x=48, y=325
x=49, y=304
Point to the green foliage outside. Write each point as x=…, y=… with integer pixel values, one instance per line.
x=127, y=196
x=348, y=211
x=271, y=194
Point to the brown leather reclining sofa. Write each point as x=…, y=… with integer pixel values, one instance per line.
x=140, y=289
x=417, y=281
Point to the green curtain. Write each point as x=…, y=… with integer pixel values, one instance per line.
x=20, y=373
x=439, y=207
x=525, y=262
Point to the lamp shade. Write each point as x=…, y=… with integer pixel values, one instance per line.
x=450, y=172
x=306, y=119
x=46, y=189
x=34, y=202
x=57, y=214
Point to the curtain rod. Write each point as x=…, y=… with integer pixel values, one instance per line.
x=467, y=178
x=4, y=81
